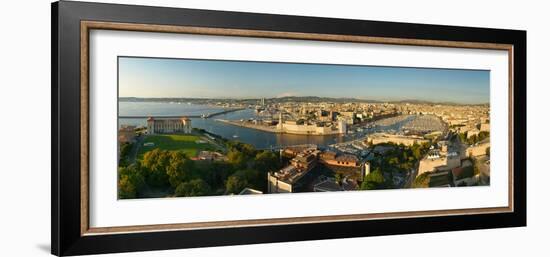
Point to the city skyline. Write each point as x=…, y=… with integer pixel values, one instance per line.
x=189, y=78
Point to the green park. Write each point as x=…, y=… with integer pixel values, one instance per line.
x=189, y=144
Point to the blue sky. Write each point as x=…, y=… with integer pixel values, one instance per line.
x=159, y=77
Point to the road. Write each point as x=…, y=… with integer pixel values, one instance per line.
x=135, y=149
x=412, y=176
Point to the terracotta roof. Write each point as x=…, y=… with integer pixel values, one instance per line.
x=347, y=157
x=328, y=155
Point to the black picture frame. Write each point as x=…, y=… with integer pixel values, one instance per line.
x=66, y=128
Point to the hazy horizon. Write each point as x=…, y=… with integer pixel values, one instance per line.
x=142, y=77
x=258, y=98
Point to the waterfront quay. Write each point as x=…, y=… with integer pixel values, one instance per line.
x=277, y=129
x=204, y=115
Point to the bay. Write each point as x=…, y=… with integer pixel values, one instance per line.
x=257, y=138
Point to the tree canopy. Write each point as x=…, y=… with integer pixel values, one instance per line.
x=266, y=161
x=195, y=187
x=422, y=181
x=235, y=184
x=172, y=172
x=237, y=158
x=374, y=180
x=154, y=165
x=180, y=168
x=130, y=181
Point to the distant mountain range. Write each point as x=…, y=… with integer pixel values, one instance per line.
x=310, y=99
x=316, y=99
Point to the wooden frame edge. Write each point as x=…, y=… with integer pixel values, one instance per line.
x=286, y=35
x=84, y=128
x=86, y=26
x=289, y=221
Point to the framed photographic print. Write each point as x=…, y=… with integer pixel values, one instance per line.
x=177, y=128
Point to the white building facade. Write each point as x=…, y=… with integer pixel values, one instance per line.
x=168, y=125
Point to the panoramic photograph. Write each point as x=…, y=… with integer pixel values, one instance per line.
x=191, y=127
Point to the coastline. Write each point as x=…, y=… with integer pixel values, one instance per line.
x=272, y=130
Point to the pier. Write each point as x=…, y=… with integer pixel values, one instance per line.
x=204, y=116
